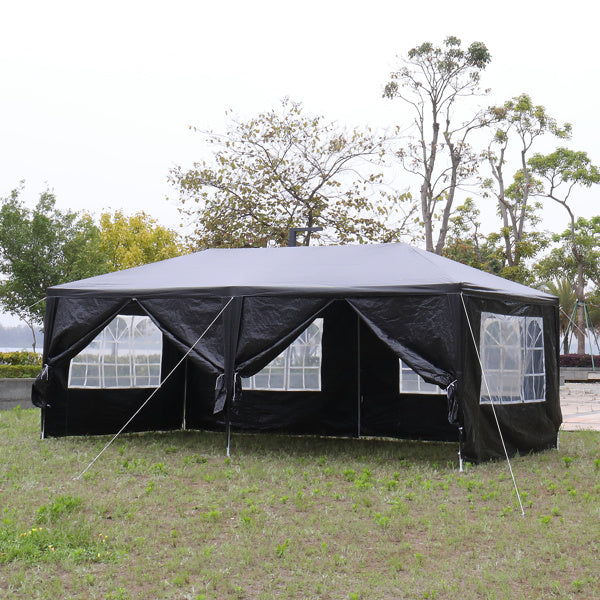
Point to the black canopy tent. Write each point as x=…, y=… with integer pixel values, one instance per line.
x=378, y=304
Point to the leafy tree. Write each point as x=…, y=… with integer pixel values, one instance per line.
x=466, y=243
x=431, y=81
x=518, y=122
x=135, y=240
x=593, y=305
x=283, y=170
x=40, y=248
x=561, y=171
x=562, y=288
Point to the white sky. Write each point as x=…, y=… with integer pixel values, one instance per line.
x=96, y=98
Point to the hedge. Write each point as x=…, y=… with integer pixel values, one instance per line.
x=20, y=358
x=14, y=371
x=579, y=360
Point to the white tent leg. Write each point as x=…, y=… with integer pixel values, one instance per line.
x=460, y=458
x=185, y=389
x=358, y=386
x=228, y=432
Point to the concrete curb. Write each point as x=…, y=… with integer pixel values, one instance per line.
x=15, y=392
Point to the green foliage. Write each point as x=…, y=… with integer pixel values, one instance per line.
x=527, y=120
x=562, y=288
x=575, y=260
x=216, y=537
x=431, y=81
x=465, y=242
x=20, y=358
x=63, y=505
x=281, y=549
x=561, y=171
x=284, y=169
x=40, y=248
x=518, y=123
x=19, y=371
x=38, y=545
x=565, y=168
x=135, y=240
x=20, y=364
x=450, y=61
x=562, y=264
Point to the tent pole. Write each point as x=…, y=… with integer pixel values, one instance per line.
x=358, y=385
x=185, y=389
x=231, y=325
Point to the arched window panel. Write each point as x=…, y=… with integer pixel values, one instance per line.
x=127, y=353
x=412, y=383
x=512, y=357
x=297, y=368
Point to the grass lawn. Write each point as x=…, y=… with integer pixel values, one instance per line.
x=167, y=515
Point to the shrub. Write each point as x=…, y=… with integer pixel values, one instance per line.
x=579, y=360
x=16, y=371
x=20, y=364
x=20, y=358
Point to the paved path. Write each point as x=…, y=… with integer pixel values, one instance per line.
x=580, y=404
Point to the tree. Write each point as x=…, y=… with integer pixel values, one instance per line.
x=40, y=248
x=431, y=81
x=466, y=244
x=562, y=265
x=136, y=240
x=562, y=288
x=283, y=170
x=561, y=171
x=518, y=120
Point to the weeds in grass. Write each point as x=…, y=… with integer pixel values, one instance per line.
x=166, y=515
x=281, y=549
x=63, y=505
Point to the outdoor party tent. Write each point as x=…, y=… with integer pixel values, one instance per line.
x=372, y=340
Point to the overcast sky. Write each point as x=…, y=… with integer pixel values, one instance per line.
x=96, y=98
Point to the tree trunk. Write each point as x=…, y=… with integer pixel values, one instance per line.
x=427, y=218
x=580, y=332
x=426, y=191
x=455, y=158
x=32, y=327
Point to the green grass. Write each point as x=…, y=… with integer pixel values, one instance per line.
x=166, y=515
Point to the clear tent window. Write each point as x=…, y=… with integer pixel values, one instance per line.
x=412, y=383
x=297, y=368
x=127, y=353
x=512, y=358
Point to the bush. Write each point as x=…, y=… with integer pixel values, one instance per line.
x=20, y=358
x=14, y=371
x=579, y=360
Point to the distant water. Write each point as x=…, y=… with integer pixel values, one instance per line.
x=27, y=349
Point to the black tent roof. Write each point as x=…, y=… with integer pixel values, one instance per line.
x=314, y=270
